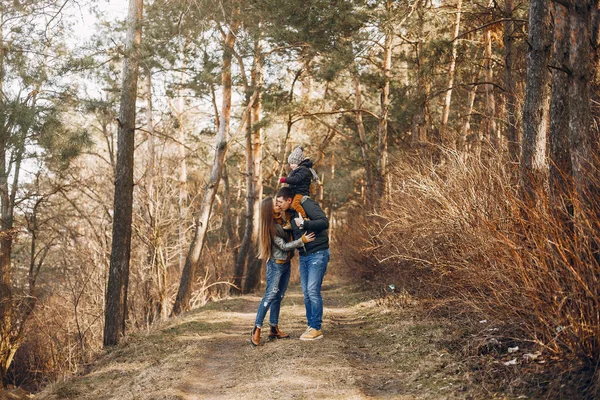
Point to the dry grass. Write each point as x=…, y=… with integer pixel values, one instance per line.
x=457, y=231
x=372, y=349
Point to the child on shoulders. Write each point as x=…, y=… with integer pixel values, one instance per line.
x=299, y=179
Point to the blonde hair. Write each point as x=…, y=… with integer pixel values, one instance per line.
x=266, y=228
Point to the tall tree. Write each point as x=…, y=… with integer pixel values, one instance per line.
x=582, y=140
x=558, y=135
x=254, y=140
x=535, y=109
x=451, y=71
x=512, y=131
x=118, y=278
x=384, y=99
x=188, y=276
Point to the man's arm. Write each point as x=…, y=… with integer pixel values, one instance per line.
x=318, y=220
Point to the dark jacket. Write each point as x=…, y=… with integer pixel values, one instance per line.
x=300, y=178
x=319, y=224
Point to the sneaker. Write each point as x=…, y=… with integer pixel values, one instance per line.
x=287, y=226
x=312, y=334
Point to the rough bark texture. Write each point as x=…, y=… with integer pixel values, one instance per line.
x=581, y=136
x=118, y=277
x=558, y=135
x=188, y=275
x=536, y=105
x=446, y=139
x=512, y=131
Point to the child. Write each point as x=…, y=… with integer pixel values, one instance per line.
x=299, y=178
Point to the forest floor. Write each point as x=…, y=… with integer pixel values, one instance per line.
x=372, y=349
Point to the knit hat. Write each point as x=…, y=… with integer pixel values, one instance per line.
x=296, y=156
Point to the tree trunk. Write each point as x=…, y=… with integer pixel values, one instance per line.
x=183, y=193
x=444, y=134
x=242, y=256
x=581, y=137
x=253, y=263
x=558, y=135
x=362, y=135
x=535, y=108
x=188, y=276
x=6, y=240
x=421, y=120
x=118, y=279
x=466, y=128
x=490, y=101
x=382, y=131
x=512, y=131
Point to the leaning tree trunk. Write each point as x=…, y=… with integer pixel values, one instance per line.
x=560, y=169
x=448, y=98
x=188, y=276
x=118, y=278
x=512, y=131
x=535, y=109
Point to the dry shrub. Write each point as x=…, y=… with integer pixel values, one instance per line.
x=457, y=229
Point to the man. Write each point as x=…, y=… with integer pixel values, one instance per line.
x=314, y=257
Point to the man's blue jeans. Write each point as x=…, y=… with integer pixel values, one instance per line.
x=278, y=277
x=312, y=270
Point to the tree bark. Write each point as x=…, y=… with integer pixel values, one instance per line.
x=253, y=263
x=444, y=134
x=362, y=135
x=6, y=241
x=188, y=276
x=466, y=128
x=490, y=101
x=242, y=256
x=118, y=279
x=581, y=136
x=560, y=169
x=535, y=108
x=382, y=130
x=512, y=131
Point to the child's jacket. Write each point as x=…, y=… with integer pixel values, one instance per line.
x=299, y=179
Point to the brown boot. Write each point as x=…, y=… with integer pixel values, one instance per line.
x=277, y=334
x=255, y=337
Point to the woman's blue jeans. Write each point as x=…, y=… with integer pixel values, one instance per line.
x=278, y=277
x=312, y=270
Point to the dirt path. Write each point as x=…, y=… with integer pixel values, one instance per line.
x=369, y=351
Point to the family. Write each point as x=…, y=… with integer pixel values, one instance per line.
x=290, y=221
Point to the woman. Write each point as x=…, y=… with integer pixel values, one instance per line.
x=274, y=247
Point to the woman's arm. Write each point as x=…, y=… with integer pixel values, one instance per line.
x=287, y=246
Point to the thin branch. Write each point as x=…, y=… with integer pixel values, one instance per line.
x=498, y=21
